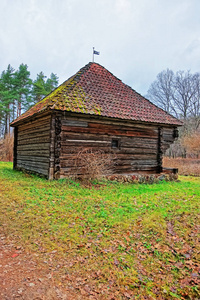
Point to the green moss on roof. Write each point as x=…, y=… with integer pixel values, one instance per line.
x=94, y=90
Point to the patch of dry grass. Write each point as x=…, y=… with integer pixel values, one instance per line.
x=186, y=166
x=6, y=148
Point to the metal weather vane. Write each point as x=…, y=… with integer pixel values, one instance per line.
x=95, y=53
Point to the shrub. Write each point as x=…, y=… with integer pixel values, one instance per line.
x=192, y=144
x=92, y=164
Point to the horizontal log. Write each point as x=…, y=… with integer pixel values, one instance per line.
x=116, y=132
x=69, y=150
x=84, y=143
x=31, y=138
x=116, y=163
x=45, y=138
x=32, y=128
x=88, y=136
x=35, y=131
x=44, y=153
x=143, y=130
x=123, y=152
x=134, y=170
x=121, y=170
x=91, y=119
x=103, y=143
x=139, y=157
x=83, y=136
x=76, y=123
x=38, y=164
x=124, y=142
x=33, y=158
x=168, y=130
x=34, y=123
x=39, y=146
x=33, y=169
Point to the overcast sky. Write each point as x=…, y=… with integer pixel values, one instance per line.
x=137, y=39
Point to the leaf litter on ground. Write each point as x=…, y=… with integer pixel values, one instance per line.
x=117, y=240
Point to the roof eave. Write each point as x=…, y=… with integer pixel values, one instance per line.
x=17, y=122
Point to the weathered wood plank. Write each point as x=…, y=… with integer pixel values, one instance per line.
x=45, y=138
x=100, y=120
x=33, y=158
x=37, y=138
x=108, y=131
x=117, y=163
x=37, y=164
x=34, y=152
x=146, y=130
x=124, y=140
x=35, y=123
x=52, y=149
x=120, y=169
x=75, y=123
x=34, y=169
x=36, y=130
x=40, y=146
x=15, y=148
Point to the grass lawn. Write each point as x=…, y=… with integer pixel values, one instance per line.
x=124, y=240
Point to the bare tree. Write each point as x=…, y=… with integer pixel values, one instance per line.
x=195, y=103
x=184, y=93
x=161, y=91
x=178, y=94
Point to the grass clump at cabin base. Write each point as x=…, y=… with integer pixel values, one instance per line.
x=122, y=240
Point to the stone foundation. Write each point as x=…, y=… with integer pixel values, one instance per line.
x=142, y=178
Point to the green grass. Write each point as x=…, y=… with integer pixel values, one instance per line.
x=122, y=238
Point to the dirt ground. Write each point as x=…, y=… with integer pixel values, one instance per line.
x=23, y=276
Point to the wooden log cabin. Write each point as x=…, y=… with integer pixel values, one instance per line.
x=95, y=110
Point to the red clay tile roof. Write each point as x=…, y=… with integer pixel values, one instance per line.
x=94, y=90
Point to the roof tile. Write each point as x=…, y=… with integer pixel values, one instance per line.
x=94, y=90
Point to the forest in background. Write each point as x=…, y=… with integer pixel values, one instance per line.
x=18, y=92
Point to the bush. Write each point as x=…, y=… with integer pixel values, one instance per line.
x=92, y=164
x=192, y=144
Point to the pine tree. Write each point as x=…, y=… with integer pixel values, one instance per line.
x=23, y=85
x=18, y=92
x=7, y=96
x=42, y=88
x=51, y=83
x=39, y=88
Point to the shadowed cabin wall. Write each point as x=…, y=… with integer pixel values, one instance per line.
x=140, y=146
x=32, y=145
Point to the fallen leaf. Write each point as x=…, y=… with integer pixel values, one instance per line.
x=15, y=255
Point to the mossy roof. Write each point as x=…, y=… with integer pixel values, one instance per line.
x=94, y=90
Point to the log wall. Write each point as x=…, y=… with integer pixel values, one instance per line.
x=140, y=146
x=49, y=145
x=32, y=146
x=169, y=134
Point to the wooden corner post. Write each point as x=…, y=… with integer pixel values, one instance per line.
x=160, y=152
x=15, y=148
x=52, y=149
